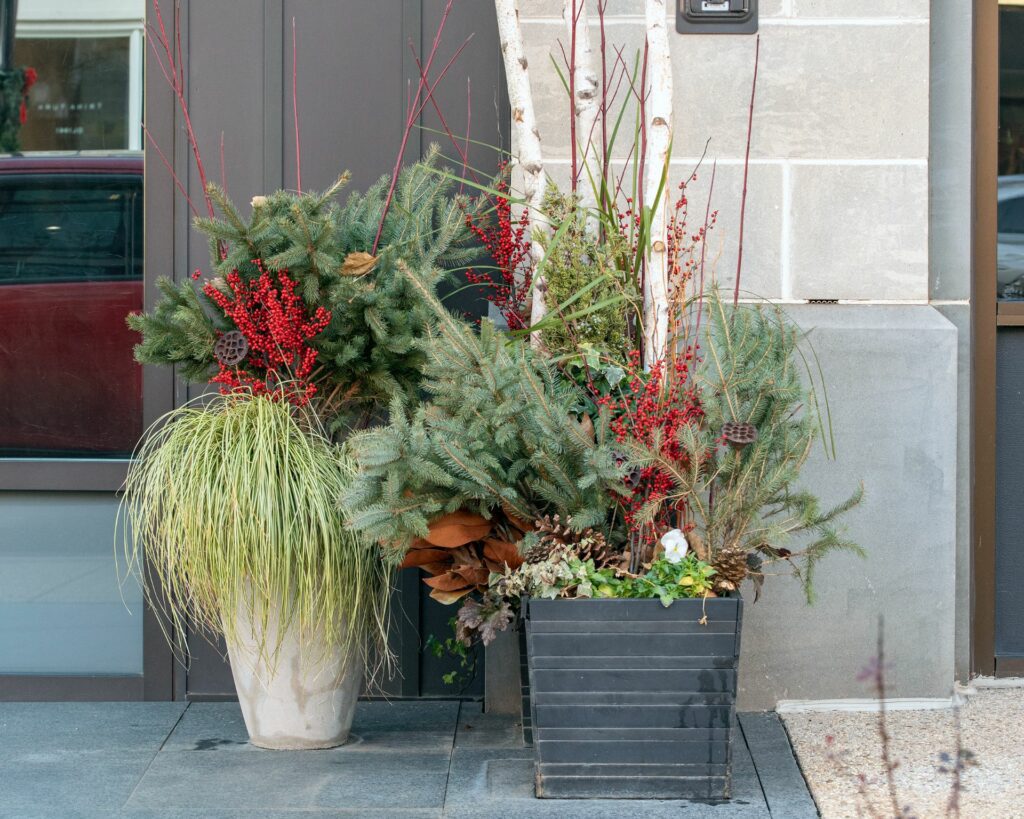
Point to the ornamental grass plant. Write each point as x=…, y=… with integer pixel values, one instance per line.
x=231, y=507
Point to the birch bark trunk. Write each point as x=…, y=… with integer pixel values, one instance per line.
x=524, y=122
x=659, y=146
x=587, y=97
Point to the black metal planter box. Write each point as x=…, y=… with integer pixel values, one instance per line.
x=633, y=700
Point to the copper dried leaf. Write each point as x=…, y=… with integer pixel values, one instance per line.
x=523, y=526
x=699, y=547
x=423, y=557
x=457, y=529
x=447, y=598
x=503, y=553
x=358, y=264
x=449, y=582
x=472, y=574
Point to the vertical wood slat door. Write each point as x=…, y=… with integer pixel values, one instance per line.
x=354, y=72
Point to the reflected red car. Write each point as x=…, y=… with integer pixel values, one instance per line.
x=71, y=233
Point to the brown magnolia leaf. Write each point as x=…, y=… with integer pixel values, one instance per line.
x=472, y=574
x=448, y=582
x=457, y=529
x=423, y=557
x=447, y=597
x=502, y=552
x=358, y=264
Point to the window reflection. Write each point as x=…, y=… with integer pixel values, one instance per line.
x=81, y=99
x=70, y=271
x=71, y=235
x=1011, y=153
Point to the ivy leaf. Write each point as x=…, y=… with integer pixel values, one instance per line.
x=613, y=375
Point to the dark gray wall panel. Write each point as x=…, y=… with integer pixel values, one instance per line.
x=1009, y=492
x=351, y=94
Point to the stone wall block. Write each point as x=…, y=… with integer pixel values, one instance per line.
x=860, y=8
x=824, y=92
x=859, y=232
x=892, y=387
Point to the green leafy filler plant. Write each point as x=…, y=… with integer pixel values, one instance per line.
x=230, y=516
x=500, y=442
x=563, y=574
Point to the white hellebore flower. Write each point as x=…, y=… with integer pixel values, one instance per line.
x=675, y=546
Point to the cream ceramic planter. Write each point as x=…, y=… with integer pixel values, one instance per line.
x=305, y=698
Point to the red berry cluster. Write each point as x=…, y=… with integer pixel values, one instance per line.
x=278, y=327
x=652, y=410
x=629, y=224
x=508, y=242
x=31, y=75
x=683, y=258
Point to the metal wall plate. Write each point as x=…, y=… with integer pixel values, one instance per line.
x=716, y=16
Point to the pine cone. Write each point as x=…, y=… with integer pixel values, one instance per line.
x=731, y=569
x=589, y=544
x=593, y=546
x=538, y=553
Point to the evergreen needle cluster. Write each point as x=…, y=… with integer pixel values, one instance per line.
x=745, y=501
x=369, y=352
x=497, y=434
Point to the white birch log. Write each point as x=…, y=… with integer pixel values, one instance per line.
x=524, y=123
x=587, y=101
x=659, y=146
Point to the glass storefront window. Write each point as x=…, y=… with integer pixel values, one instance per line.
x=71, y=227
x=70, y=271
x=62, y=607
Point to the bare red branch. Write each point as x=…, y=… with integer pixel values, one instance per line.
x=746, y=169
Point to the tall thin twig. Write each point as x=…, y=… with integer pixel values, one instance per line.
x=888, y=763
x=703, y=248
x=746, y=169
x=424, y=92
x=573, y=21
x=295, y=111
x=602, y=6
x=172, y=66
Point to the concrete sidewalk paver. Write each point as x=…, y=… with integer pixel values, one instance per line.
x=77, y=759
x=408, y=760
x=492, y=778
x=398, y=760
x=777, y=769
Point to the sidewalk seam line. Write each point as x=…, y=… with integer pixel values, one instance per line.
x=799, y=765
x=451, y=760
x=149, y=764
x=753, y=762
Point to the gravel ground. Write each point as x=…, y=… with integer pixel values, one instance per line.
x=992, y=723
